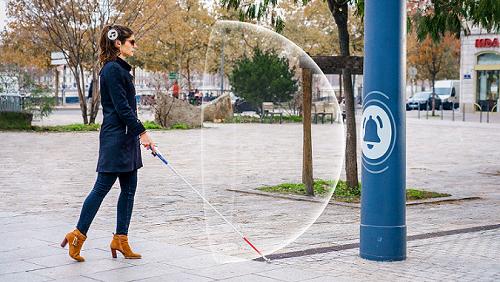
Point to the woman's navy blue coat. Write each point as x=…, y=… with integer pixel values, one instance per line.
x=119, y=146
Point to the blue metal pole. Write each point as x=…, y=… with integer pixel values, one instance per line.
x=383, y=209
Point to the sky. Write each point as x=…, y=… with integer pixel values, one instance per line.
x=3, y=16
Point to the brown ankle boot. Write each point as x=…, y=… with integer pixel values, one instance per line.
x=120, y=243
x=75, y=239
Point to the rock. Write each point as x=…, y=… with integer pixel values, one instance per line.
x=218, y=110
x=169, y=111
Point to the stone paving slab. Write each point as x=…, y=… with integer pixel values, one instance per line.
x=135, y=273
x=25, y=277
x=290, y=275
x=62, y=259
x=27, y=253
x=250, y=278
x=464, y=257
x=196, y=262
x=78, y=278
x=178, y=277
x=230, y=270
x=84, y=269
x=17, y=266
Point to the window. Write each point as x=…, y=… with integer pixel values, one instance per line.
x=488, y=59
x=487, y=88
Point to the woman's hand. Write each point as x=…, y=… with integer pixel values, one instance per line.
x=146, y=141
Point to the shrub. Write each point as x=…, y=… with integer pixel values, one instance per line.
x=15, y=120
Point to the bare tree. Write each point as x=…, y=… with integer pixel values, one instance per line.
x=74, y=26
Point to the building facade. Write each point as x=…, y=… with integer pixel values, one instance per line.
x=480, y=71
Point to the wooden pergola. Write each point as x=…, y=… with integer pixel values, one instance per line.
x=328, y=65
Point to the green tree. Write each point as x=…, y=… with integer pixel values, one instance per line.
x=265, y=77
x=435, y=20
x=179, y=44
x=437, y=17
x=340, y=10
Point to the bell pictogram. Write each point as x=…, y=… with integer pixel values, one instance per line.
x=371, y=133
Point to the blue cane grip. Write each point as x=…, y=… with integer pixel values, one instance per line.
x=159, y=155
x=162, y=158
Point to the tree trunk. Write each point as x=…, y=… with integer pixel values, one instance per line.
x=341, y=97
x=57, y=86
x=433, y=94
x=351, y=139
x=81, y=96
x=307, y=167
x=96, y=96
x=340, y=13
x=188, y=69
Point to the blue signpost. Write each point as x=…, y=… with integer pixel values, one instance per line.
x=383, y=210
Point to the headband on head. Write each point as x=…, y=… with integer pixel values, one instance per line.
x=112, y=34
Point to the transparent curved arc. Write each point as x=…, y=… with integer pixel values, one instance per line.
x=313, y=217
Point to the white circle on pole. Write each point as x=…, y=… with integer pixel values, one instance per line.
x=377, y=124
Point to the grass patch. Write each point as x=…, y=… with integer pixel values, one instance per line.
x=151, y=125
x=180, y=126
x=19, y=124
x=414, y=194
x=292, y=118
x=321, y=187
x=77, y=127
x=342, y=193
x=243, y=119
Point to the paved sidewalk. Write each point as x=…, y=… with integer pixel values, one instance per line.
x=30, y=252
x=44, y=178
x=464, y=257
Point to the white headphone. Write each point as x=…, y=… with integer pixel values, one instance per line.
x=112, y=34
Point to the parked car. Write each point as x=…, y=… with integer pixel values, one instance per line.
x=240, y=106
x=422, y=100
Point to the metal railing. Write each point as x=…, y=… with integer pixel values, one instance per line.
x=485, y=112
x=11, y=103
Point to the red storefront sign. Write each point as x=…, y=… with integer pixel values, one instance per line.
x=486, y=43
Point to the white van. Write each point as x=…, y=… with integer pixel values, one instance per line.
x=449, y=92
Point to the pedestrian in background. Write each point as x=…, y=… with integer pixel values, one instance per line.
x=175, y=89
x=89, y=97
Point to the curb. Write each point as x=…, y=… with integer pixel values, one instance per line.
x=351, y=205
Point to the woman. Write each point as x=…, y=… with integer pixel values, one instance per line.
x=119, y=147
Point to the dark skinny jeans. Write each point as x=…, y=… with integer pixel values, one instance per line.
x=104, y=182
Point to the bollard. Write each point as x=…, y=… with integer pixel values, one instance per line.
x=453, y=111
x=442, y=115
x=463, y=112
x=488, y=113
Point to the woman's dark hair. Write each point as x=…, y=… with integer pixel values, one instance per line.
x=108, y=51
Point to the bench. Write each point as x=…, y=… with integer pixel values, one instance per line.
x=322, y=109
x=268, y=109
